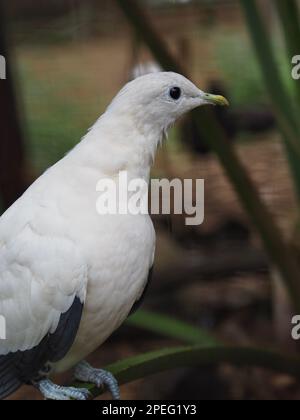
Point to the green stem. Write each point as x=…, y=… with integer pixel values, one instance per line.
x=139, y=367
x=140, y=22
x=285, y=112
x=288, y=13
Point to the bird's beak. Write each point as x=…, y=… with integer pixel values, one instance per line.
x=215, y=99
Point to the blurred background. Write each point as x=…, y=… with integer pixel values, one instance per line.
x=66, y=60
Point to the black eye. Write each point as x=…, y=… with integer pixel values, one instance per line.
x=175, y=93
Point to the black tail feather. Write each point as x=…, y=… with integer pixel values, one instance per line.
x=9, y=375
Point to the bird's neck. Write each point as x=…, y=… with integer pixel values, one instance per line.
x=117, y=143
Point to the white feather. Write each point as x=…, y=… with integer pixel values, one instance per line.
x=55, y=246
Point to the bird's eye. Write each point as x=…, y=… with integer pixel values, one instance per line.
x=175, y=93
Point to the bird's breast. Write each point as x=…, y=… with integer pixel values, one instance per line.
x=119, y=264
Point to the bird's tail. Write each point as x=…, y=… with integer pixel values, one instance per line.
x=9, y=381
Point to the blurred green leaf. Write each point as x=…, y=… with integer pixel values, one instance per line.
x=288, y=13
x=234, y=51
x=282, y=102
x=170, y=327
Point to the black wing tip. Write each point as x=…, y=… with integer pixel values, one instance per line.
x=21, y=367
x=9, y=380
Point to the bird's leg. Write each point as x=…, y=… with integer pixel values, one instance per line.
x=55, y=392
x=85, y=373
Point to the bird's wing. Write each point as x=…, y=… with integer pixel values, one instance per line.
x=42, y=288
x=30, y=365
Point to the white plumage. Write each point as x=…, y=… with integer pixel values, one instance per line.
x=54, y=246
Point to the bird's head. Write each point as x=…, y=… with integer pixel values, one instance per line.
x=157, y=100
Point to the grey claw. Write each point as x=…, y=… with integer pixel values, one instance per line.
x=85, y=373
x=107, y=379
x=51, y=391
x=80, y=394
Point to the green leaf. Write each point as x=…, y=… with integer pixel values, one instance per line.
x=138, y=367
x=288, y=14
x=283, y=104
x=170, y=327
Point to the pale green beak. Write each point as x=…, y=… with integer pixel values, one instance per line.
x=215, y=100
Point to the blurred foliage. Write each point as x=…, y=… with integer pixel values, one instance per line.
x=283, y=104
x=246, y=86
x=54, y=125
x=170, y=327
x=290, y=24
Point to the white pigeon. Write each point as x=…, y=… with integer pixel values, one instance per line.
x=69, y=276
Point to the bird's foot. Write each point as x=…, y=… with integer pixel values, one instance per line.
x=55, y=392
x=101, y=378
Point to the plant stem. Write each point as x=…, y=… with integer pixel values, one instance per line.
x=139, y=367
x=285, y=112
x=288, y=13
